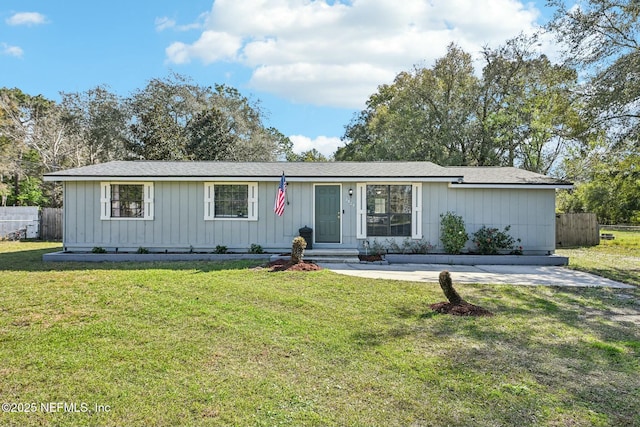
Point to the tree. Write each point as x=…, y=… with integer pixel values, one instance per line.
x=521, y=112
x=528, y=106
x=609, y=187
x=37, y=139
x=175, y=119
x=601, y=37
x=98, y=118
x=210, y=136
x=424, y=115
x=312, y=155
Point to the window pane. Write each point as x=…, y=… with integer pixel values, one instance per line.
x=400, y=225
x=127, y=201
x=377, y=196
x=388, y=210
x=400, y=199
x=231, y=201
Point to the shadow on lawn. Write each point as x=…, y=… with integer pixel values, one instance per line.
x=565, y=339
x=31, y=260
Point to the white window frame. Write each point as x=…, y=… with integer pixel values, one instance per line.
x=416, y=208
x=209, y=201
x=105, y=201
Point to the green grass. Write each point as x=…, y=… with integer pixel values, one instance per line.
x=227, y=344
x=617, y=259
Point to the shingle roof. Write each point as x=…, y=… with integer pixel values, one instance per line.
x=263, y=171
x=501, y=175
x=257, y=169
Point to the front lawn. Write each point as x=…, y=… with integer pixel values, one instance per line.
x=617, y=259
x=199, y=343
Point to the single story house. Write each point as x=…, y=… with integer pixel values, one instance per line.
x=196, y=206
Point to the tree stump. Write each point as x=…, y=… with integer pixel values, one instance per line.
x=447, y=287
x=456, y=305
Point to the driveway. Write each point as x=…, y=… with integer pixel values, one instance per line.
x=506, y=274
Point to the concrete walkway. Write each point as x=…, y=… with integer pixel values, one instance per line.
x=503, y=274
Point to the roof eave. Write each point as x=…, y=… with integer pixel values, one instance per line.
x=252, y=178
x=527, y=186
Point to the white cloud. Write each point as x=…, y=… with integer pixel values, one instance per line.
x=164, y=23
x=11, y=50
x=26, y=18
x=210, y=47
x=337, y=54
x=324, y=144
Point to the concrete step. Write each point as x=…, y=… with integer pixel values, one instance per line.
x=328, y=256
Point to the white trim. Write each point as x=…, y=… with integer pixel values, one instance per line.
x=209, y=201
x=148, y=201
x=514, y=186
x=314, y=212
x=247, y=179
x=105, y=200
x=416, y=208
x=361, y=210
x=416, y=211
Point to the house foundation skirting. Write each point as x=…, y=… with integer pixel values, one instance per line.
x=319, y=256
x=477, y=259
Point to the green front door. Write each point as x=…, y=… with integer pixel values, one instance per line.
x=328, y=214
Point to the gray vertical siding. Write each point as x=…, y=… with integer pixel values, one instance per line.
x=530, y=213
x=179, y=223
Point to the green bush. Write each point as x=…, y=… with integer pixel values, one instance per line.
x=142, y=250
x=256, y=249
x=491, y=241
x=452, y=233
x=98, y=250
x=220, y=249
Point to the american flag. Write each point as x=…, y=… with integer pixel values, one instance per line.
x=282, y=190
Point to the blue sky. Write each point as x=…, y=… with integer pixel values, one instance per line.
x=312, y=64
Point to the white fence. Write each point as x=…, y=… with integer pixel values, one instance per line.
x=23, y=221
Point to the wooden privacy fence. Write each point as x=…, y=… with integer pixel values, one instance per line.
x=51, y=224
x=577, y=229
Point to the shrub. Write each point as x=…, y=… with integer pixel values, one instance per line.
x=420, y=247
x=377, y=248
x=297, y=249
x=452, y=233
x=409, y=246
x=220, y=250
x=491, y=241
x=142, y=250
x=98, y=250
x=256, y=249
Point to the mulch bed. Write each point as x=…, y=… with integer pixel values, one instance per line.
x=462, y=309
x=283, y=265
x=370, y=258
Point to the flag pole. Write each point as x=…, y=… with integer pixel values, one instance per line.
x=287, y=193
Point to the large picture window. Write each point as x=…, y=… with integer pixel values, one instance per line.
x=230, y=201
x=389, y=210
x=126, y=200
x=393, y=210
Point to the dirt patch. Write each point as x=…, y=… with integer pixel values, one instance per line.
x=370, y=258
x=284, y=265
x=461, y=309
x=456, y=305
